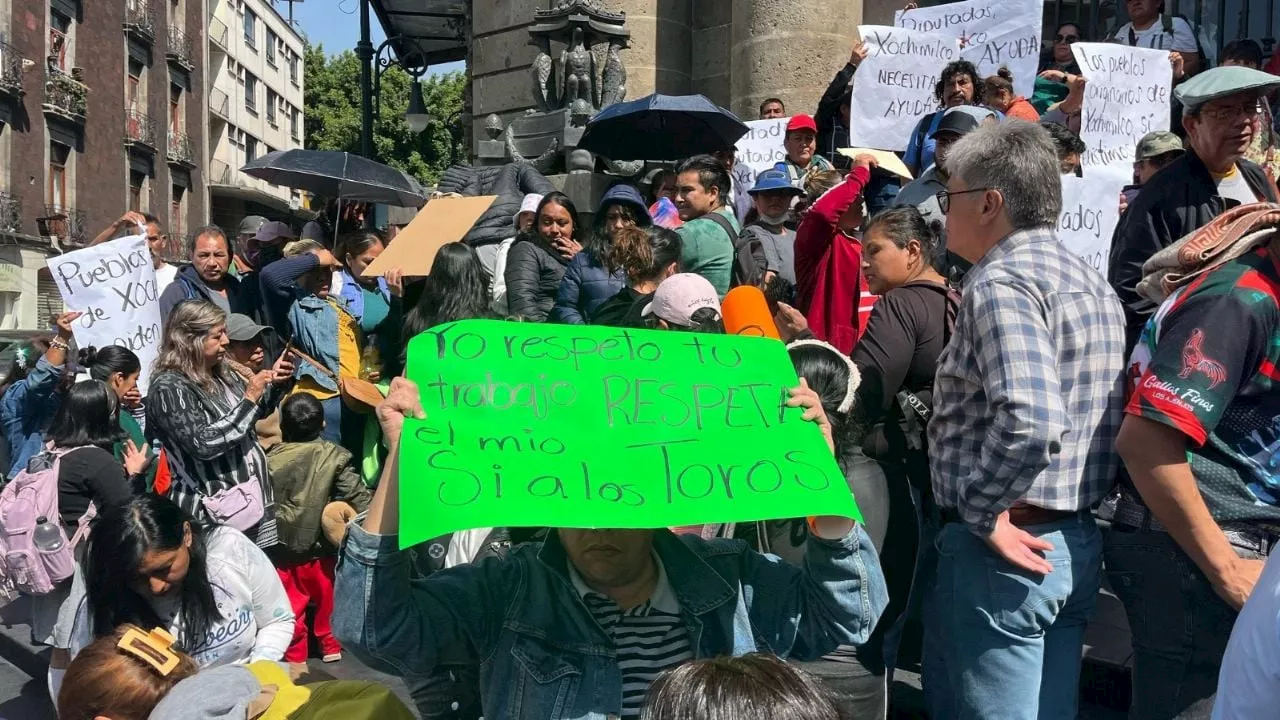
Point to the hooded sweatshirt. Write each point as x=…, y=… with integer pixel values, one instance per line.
x=587, y=284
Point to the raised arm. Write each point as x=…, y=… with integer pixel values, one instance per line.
x=391, y=621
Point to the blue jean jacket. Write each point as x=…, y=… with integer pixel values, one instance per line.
x=26, y=410
x=542, y=655
x=314, y=323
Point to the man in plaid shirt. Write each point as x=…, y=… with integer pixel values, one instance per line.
x=1027, y=402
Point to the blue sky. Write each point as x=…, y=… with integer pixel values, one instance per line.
x=336, y=25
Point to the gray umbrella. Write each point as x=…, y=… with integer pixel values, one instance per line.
x=339, y=175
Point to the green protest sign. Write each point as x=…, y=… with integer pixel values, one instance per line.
x=580, y=426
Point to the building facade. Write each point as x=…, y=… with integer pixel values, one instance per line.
x=101, y=111
x=255, y=106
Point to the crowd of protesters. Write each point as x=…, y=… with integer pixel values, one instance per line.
x=1017, y=427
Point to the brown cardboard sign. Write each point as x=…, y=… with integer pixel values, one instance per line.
x=440, y=221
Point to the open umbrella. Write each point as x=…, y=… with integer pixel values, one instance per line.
x=337, y=174
x=662, y=127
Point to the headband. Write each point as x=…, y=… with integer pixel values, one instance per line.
x=855, y=377
x=154, y=648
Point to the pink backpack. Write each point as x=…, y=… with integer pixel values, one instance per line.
x=28, y=499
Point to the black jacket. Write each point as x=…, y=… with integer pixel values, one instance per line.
x=832, y=133
x=1178, y=200
x=533, y=277
x=188, y=285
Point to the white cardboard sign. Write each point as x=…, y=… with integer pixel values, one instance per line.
x=992, y=34
x=114, y=285
x=895, y=85
x=759, y=150
x=1126, y=97
x=1090, y=212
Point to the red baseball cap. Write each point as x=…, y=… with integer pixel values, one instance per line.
x=802, y=122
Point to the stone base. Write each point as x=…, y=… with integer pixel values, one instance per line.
x=585, y=190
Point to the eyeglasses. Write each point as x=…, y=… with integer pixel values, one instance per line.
x=944, y=197
x=1231, y=113
x=1066, y=38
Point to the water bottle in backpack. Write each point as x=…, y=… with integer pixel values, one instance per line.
x=35, y=553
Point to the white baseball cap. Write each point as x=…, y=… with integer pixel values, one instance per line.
x=680, y=296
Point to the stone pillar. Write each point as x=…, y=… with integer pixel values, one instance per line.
x=788, y=49
x=499, y=61
x=659, y=58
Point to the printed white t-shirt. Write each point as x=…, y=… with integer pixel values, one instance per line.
x=257, y=620
x=1249, y=680
x=1183, y=38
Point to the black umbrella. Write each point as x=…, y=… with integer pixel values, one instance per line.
x=337, y=174
x=662, y=127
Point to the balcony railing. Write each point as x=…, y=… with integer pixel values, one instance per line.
x=179, y=150
x=10, y=71
x=221, y=173
x=179, y=52
x=139, y=19
x=220, y=103
x=66, y=224
x=65, y=95
x=139, y=130
x=219, y=33
x=10, y=212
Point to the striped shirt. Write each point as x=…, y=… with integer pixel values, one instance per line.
x=648, y=638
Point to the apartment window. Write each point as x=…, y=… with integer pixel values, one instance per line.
x=272, y=100
x=250, y=29
x=250, y=144
x=175, y=109
x=177, y=228
x=293, y=68
x=272, y=41
x=294, y=130
x=250, y=93
x=137, y=190
x=60, y=55
x=134, y=95
x=56, y=193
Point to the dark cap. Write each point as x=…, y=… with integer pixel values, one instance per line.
x=242, y=328
x=956, y=123
x=250, y=225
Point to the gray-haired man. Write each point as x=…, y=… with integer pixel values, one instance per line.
x=1028, y=397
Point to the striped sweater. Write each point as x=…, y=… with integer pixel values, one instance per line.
x=210, y=444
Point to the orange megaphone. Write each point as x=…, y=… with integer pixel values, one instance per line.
x=746, y=312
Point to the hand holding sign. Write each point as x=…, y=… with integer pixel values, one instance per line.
x=569, y=426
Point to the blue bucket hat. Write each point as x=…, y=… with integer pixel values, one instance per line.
x=774, y=180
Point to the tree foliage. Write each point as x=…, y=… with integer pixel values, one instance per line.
x=332, y=114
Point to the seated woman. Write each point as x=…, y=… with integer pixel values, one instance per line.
x=203, y=414
x=149, y=564
x=536, y=262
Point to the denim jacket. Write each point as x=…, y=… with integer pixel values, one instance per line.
x=542, y=655
x=26, y=410
x=314, y=323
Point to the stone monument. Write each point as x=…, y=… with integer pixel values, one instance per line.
x=577, y=72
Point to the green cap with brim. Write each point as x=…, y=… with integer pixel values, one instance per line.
x=1155, y=144
x=1221, y=82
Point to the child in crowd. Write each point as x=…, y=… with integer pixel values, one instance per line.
x=309, y=473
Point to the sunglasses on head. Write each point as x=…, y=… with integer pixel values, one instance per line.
x=1067, y=38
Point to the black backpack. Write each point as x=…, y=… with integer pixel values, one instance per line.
x=749, y=261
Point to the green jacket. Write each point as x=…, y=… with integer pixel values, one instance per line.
x=134, y=432
x=708, y=250
x=306, y=476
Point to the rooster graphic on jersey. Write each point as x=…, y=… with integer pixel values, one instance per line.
x=1195, y=361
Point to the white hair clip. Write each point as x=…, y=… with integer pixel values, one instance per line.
x=21, y=356
x=855, y=377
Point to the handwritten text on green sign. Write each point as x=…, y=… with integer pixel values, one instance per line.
x=599, y=427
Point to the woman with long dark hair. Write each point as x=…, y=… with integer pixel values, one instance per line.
x=537, y=261
x=150, y=565
x=856, y=676
x=32, y=390
x=120, y=369
x=646, y=258
x=587, y=283
x=456, y=289
x=83, y=433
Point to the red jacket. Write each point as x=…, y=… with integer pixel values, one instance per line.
x=830, y=288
